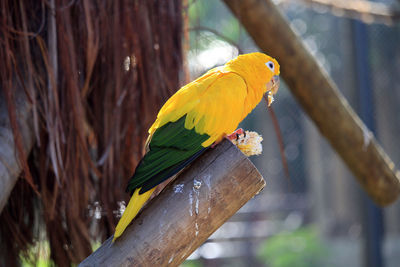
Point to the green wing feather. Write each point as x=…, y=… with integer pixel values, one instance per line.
x=171, y=148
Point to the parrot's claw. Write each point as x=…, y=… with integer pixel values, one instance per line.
x=233, y=136
x=236, y=134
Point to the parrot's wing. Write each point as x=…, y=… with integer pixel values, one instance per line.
x=188, y=123
x=184, y=100
x=221, y=108
x=171, y=148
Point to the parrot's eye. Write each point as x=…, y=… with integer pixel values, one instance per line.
x=270, y=65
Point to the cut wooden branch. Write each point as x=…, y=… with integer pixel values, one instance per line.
x=320, y=98
x=10, y=167
x=186, y=212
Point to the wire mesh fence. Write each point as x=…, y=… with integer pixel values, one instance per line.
x=318, y=217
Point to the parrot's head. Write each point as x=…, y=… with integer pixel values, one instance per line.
x=260, y=71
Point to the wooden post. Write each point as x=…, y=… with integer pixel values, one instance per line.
x=186, y=212
x=320, y=98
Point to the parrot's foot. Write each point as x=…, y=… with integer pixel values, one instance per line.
x=236, y=134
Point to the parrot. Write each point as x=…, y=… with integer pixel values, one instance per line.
x=198, y=116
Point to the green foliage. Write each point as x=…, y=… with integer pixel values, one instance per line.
x=300, y=248
x=191, y=263
x=39, y=263
x=214, y=15
x=37, y=256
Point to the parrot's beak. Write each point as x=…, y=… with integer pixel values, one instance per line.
x=272, y=88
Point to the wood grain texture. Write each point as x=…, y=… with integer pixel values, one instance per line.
x=320, y=98
x=186, y=212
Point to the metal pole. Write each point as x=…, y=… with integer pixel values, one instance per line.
x=373, y=220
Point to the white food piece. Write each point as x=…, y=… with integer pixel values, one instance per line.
x=249, y=143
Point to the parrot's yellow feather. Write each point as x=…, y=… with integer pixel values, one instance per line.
x=135, y=204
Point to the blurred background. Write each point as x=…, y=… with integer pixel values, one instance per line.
x=319, y=216
x=83, y=80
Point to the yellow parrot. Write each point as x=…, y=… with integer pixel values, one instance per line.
x=197, y=116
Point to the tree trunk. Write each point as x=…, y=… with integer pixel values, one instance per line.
x=10, y=167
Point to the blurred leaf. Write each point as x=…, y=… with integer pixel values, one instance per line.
x=300, y=248
x=191, y=263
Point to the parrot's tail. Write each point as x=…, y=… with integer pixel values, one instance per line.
x=135, y=204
